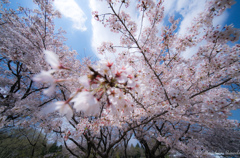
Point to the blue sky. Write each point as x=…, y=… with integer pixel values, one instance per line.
x=85, y=34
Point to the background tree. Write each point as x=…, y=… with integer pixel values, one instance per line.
x=17, y=142
x=26, y=33
x=223, y=140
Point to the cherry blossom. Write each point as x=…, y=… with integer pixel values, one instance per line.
x=87, y=103
x=84, y=81
x=52, y=59
x=60, y=106
x=46, y=77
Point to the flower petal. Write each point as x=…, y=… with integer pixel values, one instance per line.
x=86, y=103
x=50, y=90
x=52, y=59
x=84, y=81
x=44, y=76
x=63, y=109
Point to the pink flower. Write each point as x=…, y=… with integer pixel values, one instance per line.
x=84, y=81
x=121, y=77
x=52, y=59
x=61, y=106
x=46, y=77
x=87, y=103
x=64, y=109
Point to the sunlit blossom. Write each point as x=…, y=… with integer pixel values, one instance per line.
x=84, y=81
x=46, y=77
x=52, y=59
x=59, y=106
x=87, y=103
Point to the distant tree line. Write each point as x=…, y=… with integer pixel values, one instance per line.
x=30, y=142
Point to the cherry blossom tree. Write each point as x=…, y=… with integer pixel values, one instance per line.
x=149, y=88
x=225, y=141
x=26, y=33
x=90, y=144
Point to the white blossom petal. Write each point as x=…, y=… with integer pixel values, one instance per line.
x=52, y=107
x=50, y=90
x=86, y=103
x=52, y=59
x=66, y=111
x=131, y=83
x=84, y=81
x=60, y=106
x=44, y=76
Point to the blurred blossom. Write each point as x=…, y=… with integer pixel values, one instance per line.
x=61, y=106
x=52, y=59
x=87, y=103
x=46, y=77
x=84, y=81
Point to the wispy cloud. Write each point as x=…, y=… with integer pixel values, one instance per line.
x=71, y=10
x=103, y=34
x=99, y=32
x=189, y=9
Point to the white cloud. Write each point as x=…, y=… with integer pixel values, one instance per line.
x=99, y=32
x=71, y=10
x=220, y=20
x=189, y=52
x=168, y=6
x=189, y=9
x=103, y=34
